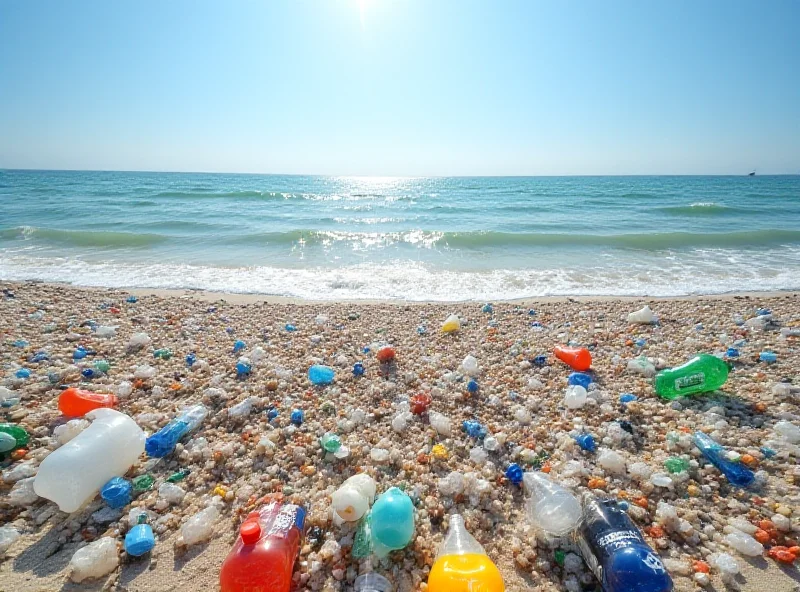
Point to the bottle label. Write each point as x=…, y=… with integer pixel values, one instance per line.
x=688, y=381
x=289, y=516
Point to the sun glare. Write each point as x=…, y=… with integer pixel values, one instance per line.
x=362, y=11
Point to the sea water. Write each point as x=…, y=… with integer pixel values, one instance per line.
x=428, y=238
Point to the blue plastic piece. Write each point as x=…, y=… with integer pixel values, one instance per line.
x=768, y=452
x=290, y=328
x=540, y=360
x=487, y=308
x=88, y=373
x=319, y=374
x=131, y=300
x=531, y=312
x=586, y=442
x=732, y=352
x=229, y=330
x=421, y=330
x=39, y=357
x=164, y=440
x=117, y=492
x=514, y=473
x=580, y=378
x=472, y=386
x=297, y=417
x=358, y=369
x=768, y=357
x=627, y=398
x=640, y=342
x=238, y=346
x=273, y=412
x=474, y=428
x=623, y=505
x=23, y=373
x=20, y=343
x=243, y=368
x=139, y=540
x=736, y=473
x=763, y=311
x=190, y=360
x=536, y=324
x=79, y=353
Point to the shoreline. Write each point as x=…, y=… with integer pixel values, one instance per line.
x=254, y=298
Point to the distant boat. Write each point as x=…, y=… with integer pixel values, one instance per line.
x=753, y=174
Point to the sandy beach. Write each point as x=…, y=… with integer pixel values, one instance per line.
x=518, y=401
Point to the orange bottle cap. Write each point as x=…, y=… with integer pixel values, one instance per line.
x=250, y=532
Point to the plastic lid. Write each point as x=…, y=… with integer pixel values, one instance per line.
x=250, y=532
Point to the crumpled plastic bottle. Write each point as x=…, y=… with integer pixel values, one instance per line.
x=164, y=440
x=550, y=507
x=352, y=500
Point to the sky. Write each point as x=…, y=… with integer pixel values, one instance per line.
x=414, y=87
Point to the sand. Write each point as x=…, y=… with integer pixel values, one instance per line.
x=209, y=323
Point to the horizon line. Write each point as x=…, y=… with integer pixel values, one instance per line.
x=46, y=170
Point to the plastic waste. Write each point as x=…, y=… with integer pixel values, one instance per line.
x=391, y=522
x=575, y=397
x=701, y=374
x=616, y=552
x=788, y=431
x=372, y=582
x=200, y=527
x=162, y=353
x=514, y=473
x=8, y=536
x=768, y=357
x=73, y=474
x=352, y=500
x=577, y=358
x=79, y=353
x=262, y=559
x=11, y=431
x=451, y=324
x=586, y=442
x=164, y=440
x=420, y=403
x=75, y=402
x=297, y=417
x=94, y=560
x=643, y=316
x=737, y=474
x=385, y=354
x=744, y=543
x=117, y=492
x=550, y=507
x=139, y=340
x=462, y=564
x=441, y=423
x=470, y=366
x=243, y=366
x=473, y=386
x=358, y=369
x=580, y=379
x=140, y=539
x=105, y=331
x=23, y=373
x=330, y=442
x=318, y=374
x=238, y=346
x=190, y=360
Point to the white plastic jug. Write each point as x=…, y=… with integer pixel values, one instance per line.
x=73, y=474
x=353, y=499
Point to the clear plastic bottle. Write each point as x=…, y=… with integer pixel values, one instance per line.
x=372, y=582
x=164, y=440
x=73, y=474
x=462, y=564
x=551, y=507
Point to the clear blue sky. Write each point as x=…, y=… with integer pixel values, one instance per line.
x=413, y=87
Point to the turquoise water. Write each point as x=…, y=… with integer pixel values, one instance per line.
x=404, y=238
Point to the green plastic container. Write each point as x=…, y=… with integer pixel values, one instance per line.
x=701, y=374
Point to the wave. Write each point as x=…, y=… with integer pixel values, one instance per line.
x=83, y=238
x=701, y=209
x=243, y=194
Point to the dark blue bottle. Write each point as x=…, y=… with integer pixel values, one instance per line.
x=616, y=552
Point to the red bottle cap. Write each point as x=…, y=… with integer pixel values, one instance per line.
x=250, y=532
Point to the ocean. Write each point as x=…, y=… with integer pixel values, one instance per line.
x=429, y=238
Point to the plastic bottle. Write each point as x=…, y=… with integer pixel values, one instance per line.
x=18, y=433
x=75, y=402
x=372, y=582
x=73, y=474
x=117, y=492
x=164, y=440
x=643, y=316
x=318, y=374
x=391, y=522
x=140, y=539
x=616, y=552
x=736, y=473
x=462, y=565
x=701, y=374
x=353, y=499
x=262, y=559
x=551, y=507
x=577, y=358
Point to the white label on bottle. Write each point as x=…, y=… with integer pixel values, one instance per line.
x=691, y=380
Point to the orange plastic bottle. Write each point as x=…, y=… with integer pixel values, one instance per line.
x=577, y=358
x=77, y=403
x=262, y=559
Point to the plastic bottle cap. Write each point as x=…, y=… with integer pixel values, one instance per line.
x=250, y=532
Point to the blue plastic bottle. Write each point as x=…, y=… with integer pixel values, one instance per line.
x=164, y=440
x=140, y=539
x=616, y=552
x=580, y=378
x=117, y=492
x=736, y=473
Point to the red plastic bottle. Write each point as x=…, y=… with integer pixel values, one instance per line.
x=577, y=358
x=262, y=559
x=77, y=403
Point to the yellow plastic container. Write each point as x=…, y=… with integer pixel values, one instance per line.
x=462, y=565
